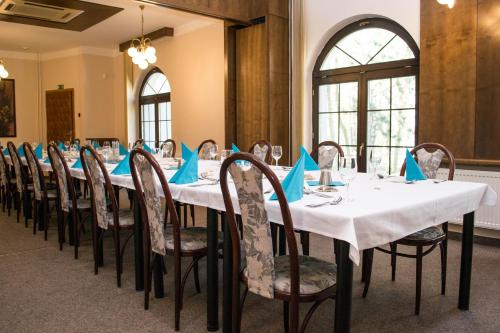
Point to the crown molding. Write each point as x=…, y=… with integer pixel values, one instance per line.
x=192, y=26
x=5, y=54
x=88, y=50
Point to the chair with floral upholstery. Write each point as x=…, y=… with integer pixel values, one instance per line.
x=105, y=210
x=42, y=195
x=8, y=186
x=160, y=241
x=168, y=148
x=262, y=149
x=23, y=188
x=204, y=149
x=430, y=237
x=292, y=278
x=70, y=208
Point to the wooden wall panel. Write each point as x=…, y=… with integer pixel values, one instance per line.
x=252, y=85
x=487, y=136
x=238, y=10
x=448, y=75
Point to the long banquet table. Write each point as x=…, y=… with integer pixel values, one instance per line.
x=381, y=211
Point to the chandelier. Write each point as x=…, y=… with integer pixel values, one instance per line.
x=141, y=50
x=3, y=72
x=450, y=3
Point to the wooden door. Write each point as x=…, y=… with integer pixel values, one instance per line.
x=59, y=107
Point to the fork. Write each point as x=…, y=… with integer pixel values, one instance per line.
x=327, y=203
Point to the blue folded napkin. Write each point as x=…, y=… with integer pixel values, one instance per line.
x=123, y=168
x=123, y=150
x=77, y=164
x=38, y=151
x=293, y=184
x=235, y=149
x=309, y=163
x=413, y=171
x=61, y=147
x=47, y=160
x=96, y=145
x=147, y=148
x=332, y=183
x=6, y=152
x=186, y=152
x=20, y=150
x=188, y=173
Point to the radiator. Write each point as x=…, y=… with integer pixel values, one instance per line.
x=486, y=216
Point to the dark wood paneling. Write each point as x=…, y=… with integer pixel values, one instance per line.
x=60, y=115
x=230, y=83
x=157, y=34
x=487, y=136
x=252, y=85
x=237, y=10
x=448, y=75
x=93, y=13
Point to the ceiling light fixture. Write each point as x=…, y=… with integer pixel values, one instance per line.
x=449, y=3
x=141, y=50
x=3, y=72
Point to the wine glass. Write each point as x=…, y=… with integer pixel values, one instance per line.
x=374, y=161
x=213, y=151
x=106, y=150
x=66, y=145
x=348, y=170
x=277, y=152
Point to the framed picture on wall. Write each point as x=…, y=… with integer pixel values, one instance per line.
x=7, y=108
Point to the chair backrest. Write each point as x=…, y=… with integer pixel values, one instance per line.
x=170, y=147
x=64, y=181
x=143, y=168
x=262, y=149
x=257, y=239
x=36, y=171
x=204, y=148
x=430, y=162
x=16, y=162
x=4, y=170
x=324, y=153
x=99, y=183
x=138, y=143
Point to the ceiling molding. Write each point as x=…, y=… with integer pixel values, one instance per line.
x=192, y=26
x=4, y=54
x=79, y=51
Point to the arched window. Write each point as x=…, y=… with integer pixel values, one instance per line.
x=365, y=92
x=155, y=109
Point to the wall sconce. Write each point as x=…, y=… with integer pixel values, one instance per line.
x=450, y=3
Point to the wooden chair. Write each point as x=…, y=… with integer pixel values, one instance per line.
x=316, y=152
x=159, y=240
x=23, y=187
x=170, y=146
x=70, y=208
x=430, y=237
x=42, y=195
x=262, y=149
x=204, y=149
x=104, y=218
x=8, y=185
x=293, y=279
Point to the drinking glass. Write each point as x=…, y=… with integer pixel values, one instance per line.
x=224, y=154
x=374, y=161
x=348, y=170
x=213, y=151
x=66, y=145
x=277, y=152
x=106, y=151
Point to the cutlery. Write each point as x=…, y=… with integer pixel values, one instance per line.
x=318, y=194
x=437, y=181
x=327, y=203
x=204, y=184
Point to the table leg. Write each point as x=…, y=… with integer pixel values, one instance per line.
x=227, y=295
x=212, y=272
x=466, y=261
x=138, y=247
x=343, y=301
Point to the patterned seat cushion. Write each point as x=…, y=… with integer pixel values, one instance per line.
x=191, y=239
x=125, y=217
x=315, y=275
x=82, y=204
x=427, y=234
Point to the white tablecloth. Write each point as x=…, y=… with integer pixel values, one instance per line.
x=381, y=210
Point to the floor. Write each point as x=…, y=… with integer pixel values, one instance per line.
x=45, y=290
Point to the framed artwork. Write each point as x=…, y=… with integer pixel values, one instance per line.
x=7, y=108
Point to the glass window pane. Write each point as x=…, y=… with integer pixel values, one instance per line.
x=379, y=94
x=363, y=44
x=152, y=132
x=157, y=84
x=163, y=131
x=151, y=110
x=169, y=111
x=350, y=151
x=337, y=59
x=378, y=128
x=169, y=129
x=348, y=128
x=403, y=92
x=381, y=152
x=348, y=96
x=328, y=127
x=397, y=49
x=329, y=98
x=397, y=158
x=403, y=128
x=162, y=110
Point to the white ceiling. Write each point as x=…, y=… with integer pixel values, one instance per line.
x=107, y=34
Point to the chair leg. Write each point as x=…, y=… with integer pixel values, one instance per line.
x=178, y=290
x=368, y=262
x=394, y=249
x=46, y=217
x=77, y=219
x=443, y=250
x=196, y=276
x=185, y=216
x=35, y=215
x=286, y=316
x=419, y=280
x=191, y=207
x=118, y=261
x=147, y=279
x=18, y=197
x=304, y=240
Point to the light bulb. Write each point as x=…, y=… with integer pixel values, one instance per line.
x=4, y=74
x=136, y=60
x=132, y=51
x=143, y=64
x=451, y=3
x=152, y=59
x=150, y=51
x=2, y=68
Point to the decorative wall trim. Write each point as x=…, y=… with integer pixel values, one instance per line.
x=5, y=54
x=79, y=51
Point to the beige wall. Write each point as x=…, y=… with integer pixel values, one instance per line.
x=194, y=65
x=25, y=74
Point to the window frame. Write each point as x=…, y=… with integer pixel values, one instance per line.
x=152, y=99
x=362, y=74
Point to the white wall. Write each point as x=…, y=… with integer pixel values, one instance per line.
x=321, y=19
